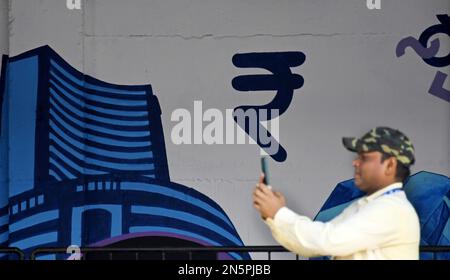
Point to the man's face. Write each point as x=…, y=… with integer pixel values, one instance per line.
x=369, y=171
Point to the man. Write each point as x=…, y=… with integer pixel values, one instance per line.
x=381, y=225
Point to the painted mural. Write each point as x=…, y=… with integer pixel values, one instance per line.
x=87, y=165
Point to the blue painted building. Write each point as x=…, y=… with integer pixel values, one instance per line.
x=86, y=164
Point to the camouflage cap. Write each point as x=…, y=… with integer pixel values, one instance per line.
x=385, y=140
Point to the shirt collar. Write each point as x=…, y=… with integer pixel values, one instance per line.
x=380, y=192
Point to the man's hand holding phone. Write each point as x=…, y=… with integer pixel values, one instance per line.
x=266, y=201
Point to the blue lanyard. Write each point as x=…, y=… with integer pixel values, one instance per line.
x=392, y=191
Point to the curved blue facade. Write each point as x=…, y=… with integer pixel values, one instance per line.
x=87, y=163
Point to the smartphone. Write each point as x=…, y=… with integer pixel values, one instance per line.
x=264, y=169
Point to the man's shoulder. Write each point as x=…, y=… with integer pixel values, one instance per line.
x=396, y=205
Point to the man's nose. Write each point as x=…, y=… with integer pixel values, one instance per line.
x=355, y=162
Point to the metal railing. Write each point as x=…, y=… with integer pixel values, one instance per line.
x=434, y=250
x=190, y=251
x=13, y=251
x=163, y=251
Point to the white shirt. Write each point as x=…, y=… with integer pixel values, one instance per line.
x=381, y=226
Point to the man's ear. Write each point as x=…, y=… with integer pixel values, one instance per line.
x=391, y=166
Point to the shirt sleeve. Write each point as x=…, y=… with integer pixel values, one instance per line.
x=369, y=228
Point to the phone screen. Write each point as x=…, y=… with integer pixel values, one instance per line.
x=264, y=169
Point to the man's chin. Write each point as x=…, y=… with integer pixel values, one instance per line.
x=359, y=184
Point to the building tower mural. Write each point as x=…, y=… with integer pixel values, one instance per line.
x=86, y=164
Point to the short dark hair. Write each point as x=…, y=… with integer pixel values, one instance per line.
x=402, y=172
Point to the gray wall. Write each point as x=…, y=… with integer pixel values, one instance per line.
x=353, y=81
x=4, y=34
